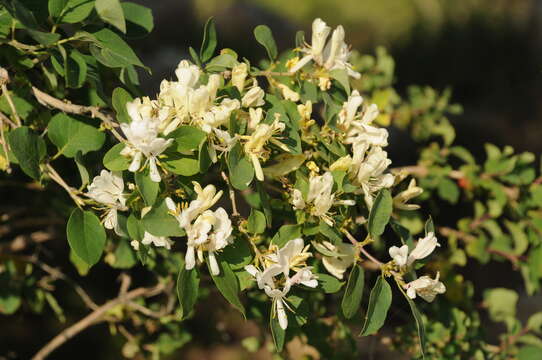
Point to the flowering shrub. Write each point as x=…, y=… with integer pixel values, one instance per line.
x=269, y=184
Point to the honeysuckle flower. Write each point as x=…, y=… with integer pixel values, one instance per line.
x=266, y=281
x=254, y=146
x=320, y=197
x=142, y=140
x=337, y=265
x=158, y=241
x=399, y=254
x=238, y=76
x=331, y=55
x=218, y=115
x=287, y=93
x=253, y=97
x=424, y=248
x=206, y=197
x=224, y=141
x=187, y=74
x=349, y=110
x=107, y=189
x=291, y=256
x=255, y=116
x=425, y=287
x=368, y=171
x=400, y=200
x=210, y=232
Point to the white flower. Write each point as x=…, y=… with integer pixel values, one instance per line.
x=255, y=116
x=107, y=188
x=337, y=265
x=425, y=287
x=253, y=97
x=290, y=256
x=287, y=93
x=210, y=232
x=320, y=196
x=224, y=141
x=206, y=197
x=399, y=254
x=143, y=140
x=254, y=147
x=158, y=241
x=424, y=248
x=331, y=55
x=238, y=76
x=349, y=110
x=401, y=199
x=187, y=74
x=218, y=115
x=368, y=170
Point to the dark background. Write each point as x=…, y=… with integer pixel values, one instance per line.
x=487, y=51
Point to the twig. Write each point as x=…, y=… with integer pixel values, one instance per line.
x=4, y=80
x=94, y=111
x=7, y=120
x=274, y=73
x=57, y=274
x=4, y=143
x=231, y=193
x=359, y=246
x=94, y=317
x=71, y=191
x=423, y=171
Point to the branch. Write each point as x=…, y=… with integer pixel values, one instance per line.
x=93, y=318
x=359, y=246
x=94, y=111
x=71, y=191
x=231, y=193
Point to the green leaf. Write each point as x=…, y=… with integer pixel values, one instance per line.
x=419, y=321
x=188, y=138
x=204, y=158
x=43, y=38
x=114, y=161
x=264, y=36
x=55, y=7
x=228, y=285
x=76, y=11
x=182, y=165
x=139, y=19
x=237, y=254
x=379, y=303
x=279, y=335
x=221, y=63
x=71, y=135
x=114, y=51
x=342, y=77
x=111, y=12
x=75, y=70
x=29, y=149
x=208, y=44
x=256, y=222
x=135, y=228
x=330, y=284
x=119, y=99
x=125, y=256
x=240, y=168
x=159, y=222
x=265, y=203
x=501, y=303
x=380, y=213
x=86, y=236
x=147, y=187
x=448, y=190
x=187, y=290
x=287, y=233
x=354, y=290
x=83, y=172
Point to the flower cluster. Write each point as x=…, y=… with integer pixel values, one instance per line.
x=424, y=286
x=274, y=277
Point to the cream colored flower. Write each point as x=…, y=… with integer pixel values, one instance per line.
x=400, y=200
x=107, y=189
x=253, y=97
x=206, y=197
x=287, y=93
x=337, y=265
x=238, y=76
x=424, y=248
x=158, y=241
x=425, y=287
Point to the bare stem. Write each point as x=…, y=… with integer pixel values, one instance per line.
x=231, y=193
x=359, y=246
x=93, y=318
x=94, y=111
